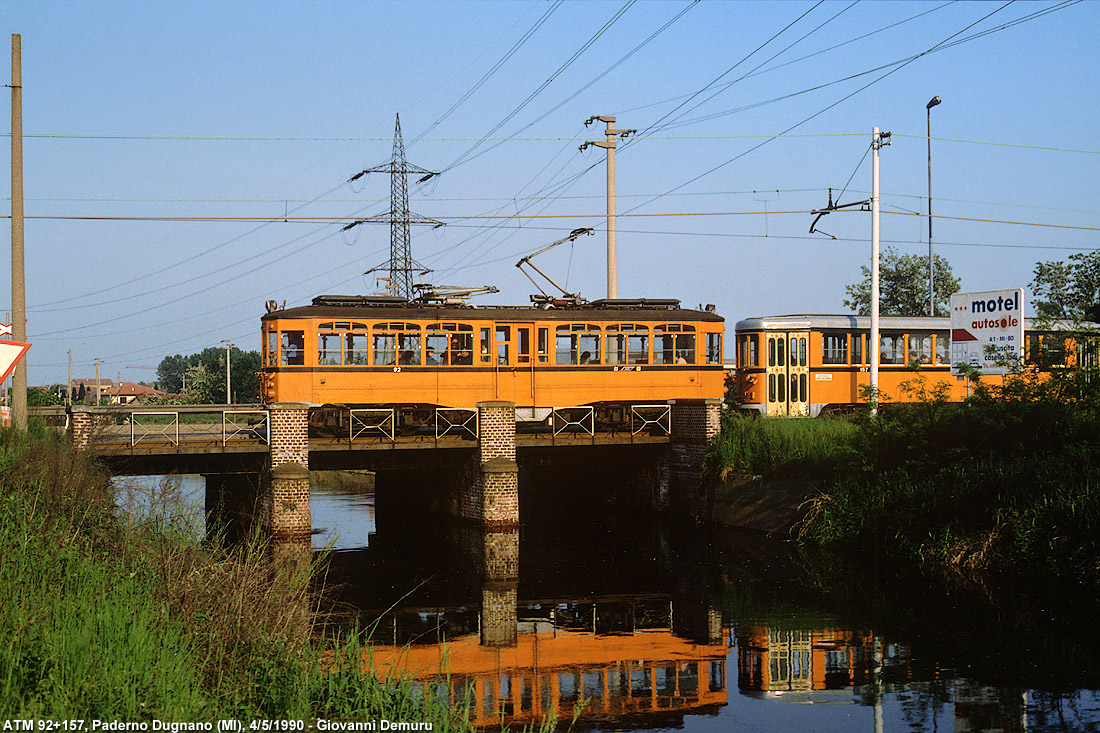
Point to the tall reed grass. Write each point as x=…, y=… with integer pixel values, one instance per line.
x=753, y=445
x=106, y=618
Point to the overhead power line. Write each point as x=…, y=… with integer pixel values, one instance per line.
x=502, y=217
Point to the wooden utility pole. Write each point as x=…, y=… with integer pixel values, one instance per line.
x=98, y=361
x=18, y=291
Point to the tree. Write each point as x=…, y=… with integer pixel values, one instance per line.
x=903, y=286
x=1069, y=290
x=38, y=397
x=81, y=394
x=244, y=367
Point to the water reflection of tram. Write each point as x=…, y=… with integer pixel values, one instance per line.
x=790, y=660
x=358, y=350
x=803, y=364
x=638, y=668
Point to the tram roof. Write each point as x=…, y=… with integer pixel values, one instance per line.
x=819, y=321
x=639, y=309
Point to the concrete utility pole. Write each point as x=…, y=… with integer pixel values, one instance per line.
x=228, y=394
x=18, y=289
x=69, y=386
x=98, y=361
x=877, y=141
x=609, y=145
x=931, y=288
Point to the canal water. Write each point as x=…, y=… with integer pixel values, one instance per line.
x=630, y=624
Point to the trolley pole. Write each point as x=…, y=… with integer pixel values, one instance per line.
x=609, y=145
x=877, y=141
x=18, y=287
x=931, y=286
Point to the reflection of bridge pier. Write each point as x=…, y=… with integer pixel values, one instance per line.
x=499, y=588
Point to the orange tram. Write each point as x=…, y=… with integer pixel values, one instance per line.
x=803, y=365
x=358, y=351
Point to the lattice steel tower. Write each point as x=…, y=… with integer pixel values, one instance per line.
x=401, y=264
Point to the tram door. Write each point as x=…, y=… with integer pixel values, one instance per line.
x=513, y=366
x=788, y=373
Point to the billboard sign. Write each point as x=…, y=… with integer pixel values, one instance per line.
x=987, y=329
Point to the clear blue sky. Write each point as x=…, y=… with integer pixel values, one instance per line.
x=156, y=109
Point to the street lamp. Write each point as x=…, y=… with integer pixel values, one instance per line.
x=931, y=288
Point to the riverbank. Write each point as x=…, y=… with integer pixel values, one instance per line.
x=1001, y=486
x=112, y=619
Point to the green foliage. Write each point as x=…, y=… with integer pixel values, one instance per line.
x=752, y=445
x=903, y=286
x=38, y=397
x=244, y=366
x=1068, y=290
x=113, y=620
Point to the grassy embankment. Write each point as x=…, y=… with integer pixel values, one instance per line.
x=109, y=619
x=999, y=483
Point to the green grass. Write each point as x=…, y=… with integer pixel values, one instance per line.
x=753, y=445
x=994, y=484
x=103, y=618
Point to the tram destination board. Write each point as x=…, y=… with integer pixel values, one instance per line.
x=987, y=330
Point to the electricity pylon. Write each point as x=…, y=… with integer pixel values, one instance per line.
x=401, y=264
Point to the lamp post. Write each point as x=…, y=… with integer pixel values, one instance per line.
x=931, y=288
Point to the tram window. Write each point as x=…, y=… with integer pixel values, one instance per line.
x=504, y=339
x=408, y=349
x=781, y=388
x=544, y=345
x=616, y=347
x=462, y=349
x=771, y=352
x=781, y=351
x=637, y=347
x=385, y=349
x=714, y=348
x=577, y=343
x=485, y=345
x=523, y=345
x=834, y=348
x=803, y=380
x=920, y=349
x=328, y=349
x=803, y=359
x=342, y=326
x=589, y=345
x=355, y=348
x=771, y=388
x=754, y=357
x=292, y=345
x=435, y=349
x=794, y=388
x=857, y=348
x=565, y=351
x=271, y=347
x=673, y=348
x=943, y=348
x=892, y=350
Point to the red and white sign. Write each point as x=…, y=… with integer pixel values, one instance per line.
x=10, y=354
x=987, y=330
x=5, y=329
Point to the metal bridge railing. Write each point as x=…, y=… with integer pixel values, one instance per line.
x=580, y=419
x=652, y=418
x=367, y=422
x=155, y=430
x=246, y=425
x=456, y=421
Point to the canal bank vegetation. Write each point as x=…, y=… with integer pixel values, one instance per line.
x=1004, y=481
x=106, y=618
